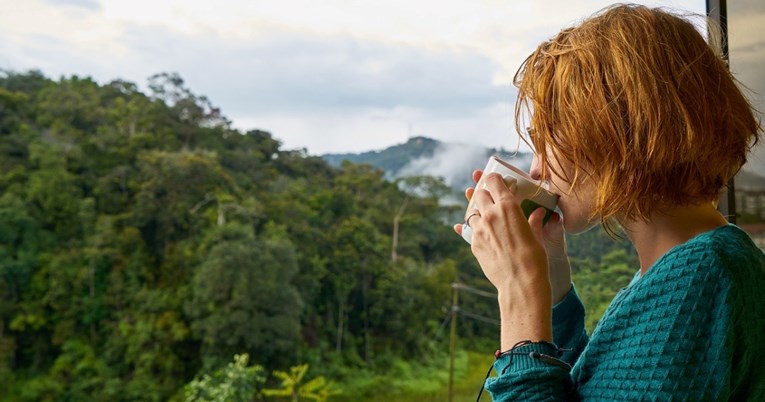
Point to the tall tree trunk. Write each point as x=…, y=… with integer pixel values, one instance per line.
x=221, y=214
x=396, y=220
x=340, y=315
x=364, y=291
x=92, y=300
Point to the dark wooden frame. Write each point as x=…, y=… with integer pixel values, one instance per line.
x=717, y=11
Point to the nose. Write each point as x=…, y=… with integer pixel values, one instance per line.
x=535, y=170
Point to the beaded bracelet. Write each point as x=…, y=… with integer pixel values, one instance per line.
x=534, y=355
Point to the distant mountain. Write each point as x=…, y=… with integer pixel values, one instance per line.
x=426, y=156
x=390, y=159
x=455, y=162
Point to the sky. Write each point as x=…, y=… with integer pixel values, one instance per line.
x=326, y=76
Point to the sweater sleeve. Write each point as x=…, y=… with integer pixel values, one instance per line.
x=523, y=378
x=568, y=326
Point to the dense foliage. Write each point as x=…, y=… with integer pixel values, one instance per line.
x=144, y=243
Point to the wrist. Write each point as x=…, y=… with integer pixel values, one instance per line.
x=514, y=309
x=525, y=318
x=532, y=295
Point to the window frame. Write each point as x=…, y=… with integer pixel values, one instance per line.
x=717, y=12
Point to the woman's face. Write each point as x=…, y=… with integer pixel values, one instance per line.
x=575, y=204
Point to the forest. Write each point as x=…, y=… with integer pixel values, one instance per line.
x=151, y=252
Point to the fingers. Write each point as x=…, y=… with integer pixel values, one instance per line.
x=498, y=188
x=477, y=175
x=494, y=183
x=458, y=229
x=497, y=200
x=470, y=190
x=482, y=199
x=472, y=214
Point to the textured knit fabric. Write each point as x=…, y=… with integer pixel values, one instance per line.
x=692, y=328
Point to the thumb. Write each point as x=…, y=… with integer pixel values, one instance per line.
x=554, y=235
x=537, y=226
x=554, y=228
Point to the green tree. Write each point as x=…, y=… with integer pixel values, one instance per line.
x=242, y=297
x=237, y=382
x=599, y=284
x=143, y=240
x=76, y=375
x=293, y=386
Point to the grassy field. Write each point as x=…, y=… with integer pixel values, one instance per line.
x=410, y=384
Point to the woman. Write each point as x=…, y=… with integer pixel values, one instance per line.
x=637, y=124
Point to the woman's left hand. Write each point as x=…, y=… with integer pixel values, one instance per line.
x=513, y=258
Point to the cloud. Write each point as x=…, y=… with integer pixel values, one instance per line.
x=302, y=73
x=455, y=161
x=451, y=161
x=91, y=5
x=331, y=77
x=332, y=93
x=327, y=93
x=349, y=131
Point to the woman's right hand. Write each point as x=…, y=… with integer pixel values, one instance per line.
x=551, y=235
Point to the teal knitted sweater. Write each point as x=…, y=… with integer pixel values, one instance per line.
x=691, y=328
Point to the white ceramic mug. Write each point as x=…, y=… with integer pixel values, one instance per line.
x=532, y=193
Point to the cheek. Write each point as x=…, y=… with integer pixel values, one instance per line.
x=576, y=214
x=558, y=187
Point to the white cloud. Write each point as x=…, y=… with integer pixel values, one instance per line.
x=302, y=73
x=374, y=129
x=86, y=4
x=334, y=75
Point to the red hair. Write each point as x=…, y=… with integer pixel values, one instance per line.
x=635, y=99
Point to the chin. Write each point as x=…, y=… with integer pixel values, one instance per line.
x=576, y=226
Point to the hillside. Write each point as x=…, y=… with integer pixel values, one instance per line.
x=390, y=159
x=453, y=162
x=144, y=243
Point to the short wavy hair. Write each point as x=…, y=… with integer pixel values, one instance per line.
x=635, y=99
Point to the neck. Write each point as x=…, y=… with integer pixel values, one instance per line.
x=654, y=237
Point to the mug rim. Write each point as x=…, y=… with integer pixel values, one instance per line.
x=516, y=170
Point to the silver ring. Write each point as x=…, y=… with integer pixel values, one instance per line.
x=474, y=213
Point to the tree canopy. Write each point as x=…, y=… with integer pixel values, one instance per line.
x=144, y=242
